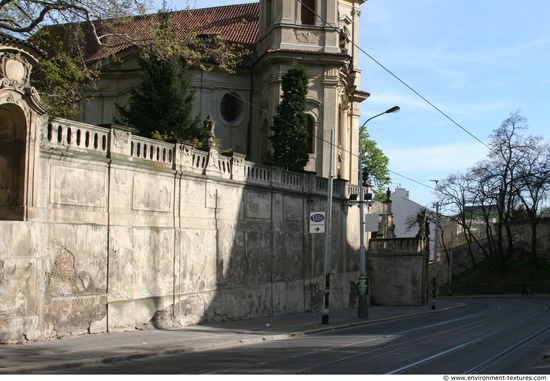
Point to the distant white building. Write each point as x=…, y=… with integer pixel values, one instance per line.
x=403, y=208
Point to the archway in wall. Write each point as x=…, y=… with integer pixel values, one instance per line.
x=12, y=162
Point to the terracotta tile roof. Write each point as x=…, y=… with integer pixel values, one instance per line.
x=233, y=23
x=6, y=39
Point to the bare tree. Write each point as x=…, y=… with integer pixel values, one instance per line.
x=456, y=197
x=24, y=17
x=485, y=187
x=510, y=151
x=533, y=185
x=513, y=182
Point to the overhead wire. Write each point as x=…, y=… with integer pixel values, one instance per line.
x=385, y=69
x=320, y=138
x=407, y=86
x=398, y=78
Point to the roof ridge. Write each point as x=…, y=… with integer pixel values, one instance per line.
x=218, y=6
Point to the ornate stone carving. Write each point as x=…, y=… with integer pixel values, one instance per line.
x=15, y=69
x=121, y=139
x=308, y=37
x=237, y=170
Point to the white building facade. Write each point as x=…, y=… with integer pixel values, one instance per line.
x=404, y=210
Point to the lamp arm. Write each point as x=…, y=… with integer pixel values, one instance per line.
x=372, y=117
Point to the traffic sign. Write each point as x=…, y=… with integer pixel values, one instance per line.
x=317, y=222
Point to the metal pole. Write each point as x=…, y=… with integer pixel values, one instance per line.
x=451, y=267
x=363, y=283
x=328, y=242
x=436, y=241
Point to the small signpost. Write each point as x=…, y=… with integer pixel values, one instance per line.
x=317, y=222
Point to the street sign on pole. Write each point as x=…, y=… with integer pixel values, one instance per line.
x=317, y=222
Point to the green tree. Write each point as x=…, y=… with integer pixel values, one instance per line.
x=73, y=31
x=289, y=139
x=63, y=29
x=61, y=77
x=375, y=163
x=162, y=107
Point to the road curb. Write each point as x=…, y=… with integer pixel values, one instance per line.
x=154, y=352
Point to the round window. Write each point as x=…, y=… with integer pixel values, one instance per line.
x=230, y=107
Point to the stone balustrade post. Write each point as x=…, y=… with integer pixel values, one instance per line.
x=183, y=157
x=120, y=139
x=237, y=166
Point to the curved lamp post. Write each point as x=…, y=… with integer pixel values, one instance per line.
x=363, y=280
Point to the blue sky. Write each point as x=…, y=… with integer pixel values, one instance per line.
x=476, y=61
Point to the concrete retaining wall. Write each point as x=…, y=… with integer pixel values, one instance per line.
x=126, y=232
x=397, y=271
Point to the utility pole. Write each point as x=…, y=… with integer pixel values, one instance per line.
x=434, y=270
x=451, y=267
x=363, y=282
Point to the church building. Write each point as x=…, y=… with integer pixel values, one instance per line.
x=321, y=35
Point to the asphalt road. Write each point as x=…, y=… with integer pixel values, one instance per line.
x=488, y=336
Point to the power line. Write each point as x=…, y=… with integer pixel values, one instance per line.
x=399, y=79
x=414, y=181
x=320, y=138
x=423, y=98
x=379, y=64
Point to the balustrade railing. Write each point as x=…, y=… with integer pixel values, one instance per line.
x=416, y=245
x=153, y=150
x=257, y=173
x=224, y=165
x=70, y=135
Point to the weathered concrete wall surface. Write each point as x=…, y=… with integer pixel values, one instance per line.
x=53, y=279
x=101, y=230
x=125, y=232
x=397, y=271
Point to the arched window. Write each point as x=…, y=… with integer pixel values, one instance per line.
x=308, y=12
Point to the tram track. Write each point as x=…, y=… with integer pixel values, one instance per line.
x=490, y=335
x=442, y=335
x=492, y=360
x=502, y=355
x=371, y=340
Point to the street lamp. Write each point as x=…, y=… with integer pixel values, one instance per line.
x=363, y=280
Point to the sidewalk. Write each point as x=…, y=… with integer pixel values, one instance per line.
x=36, y=357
